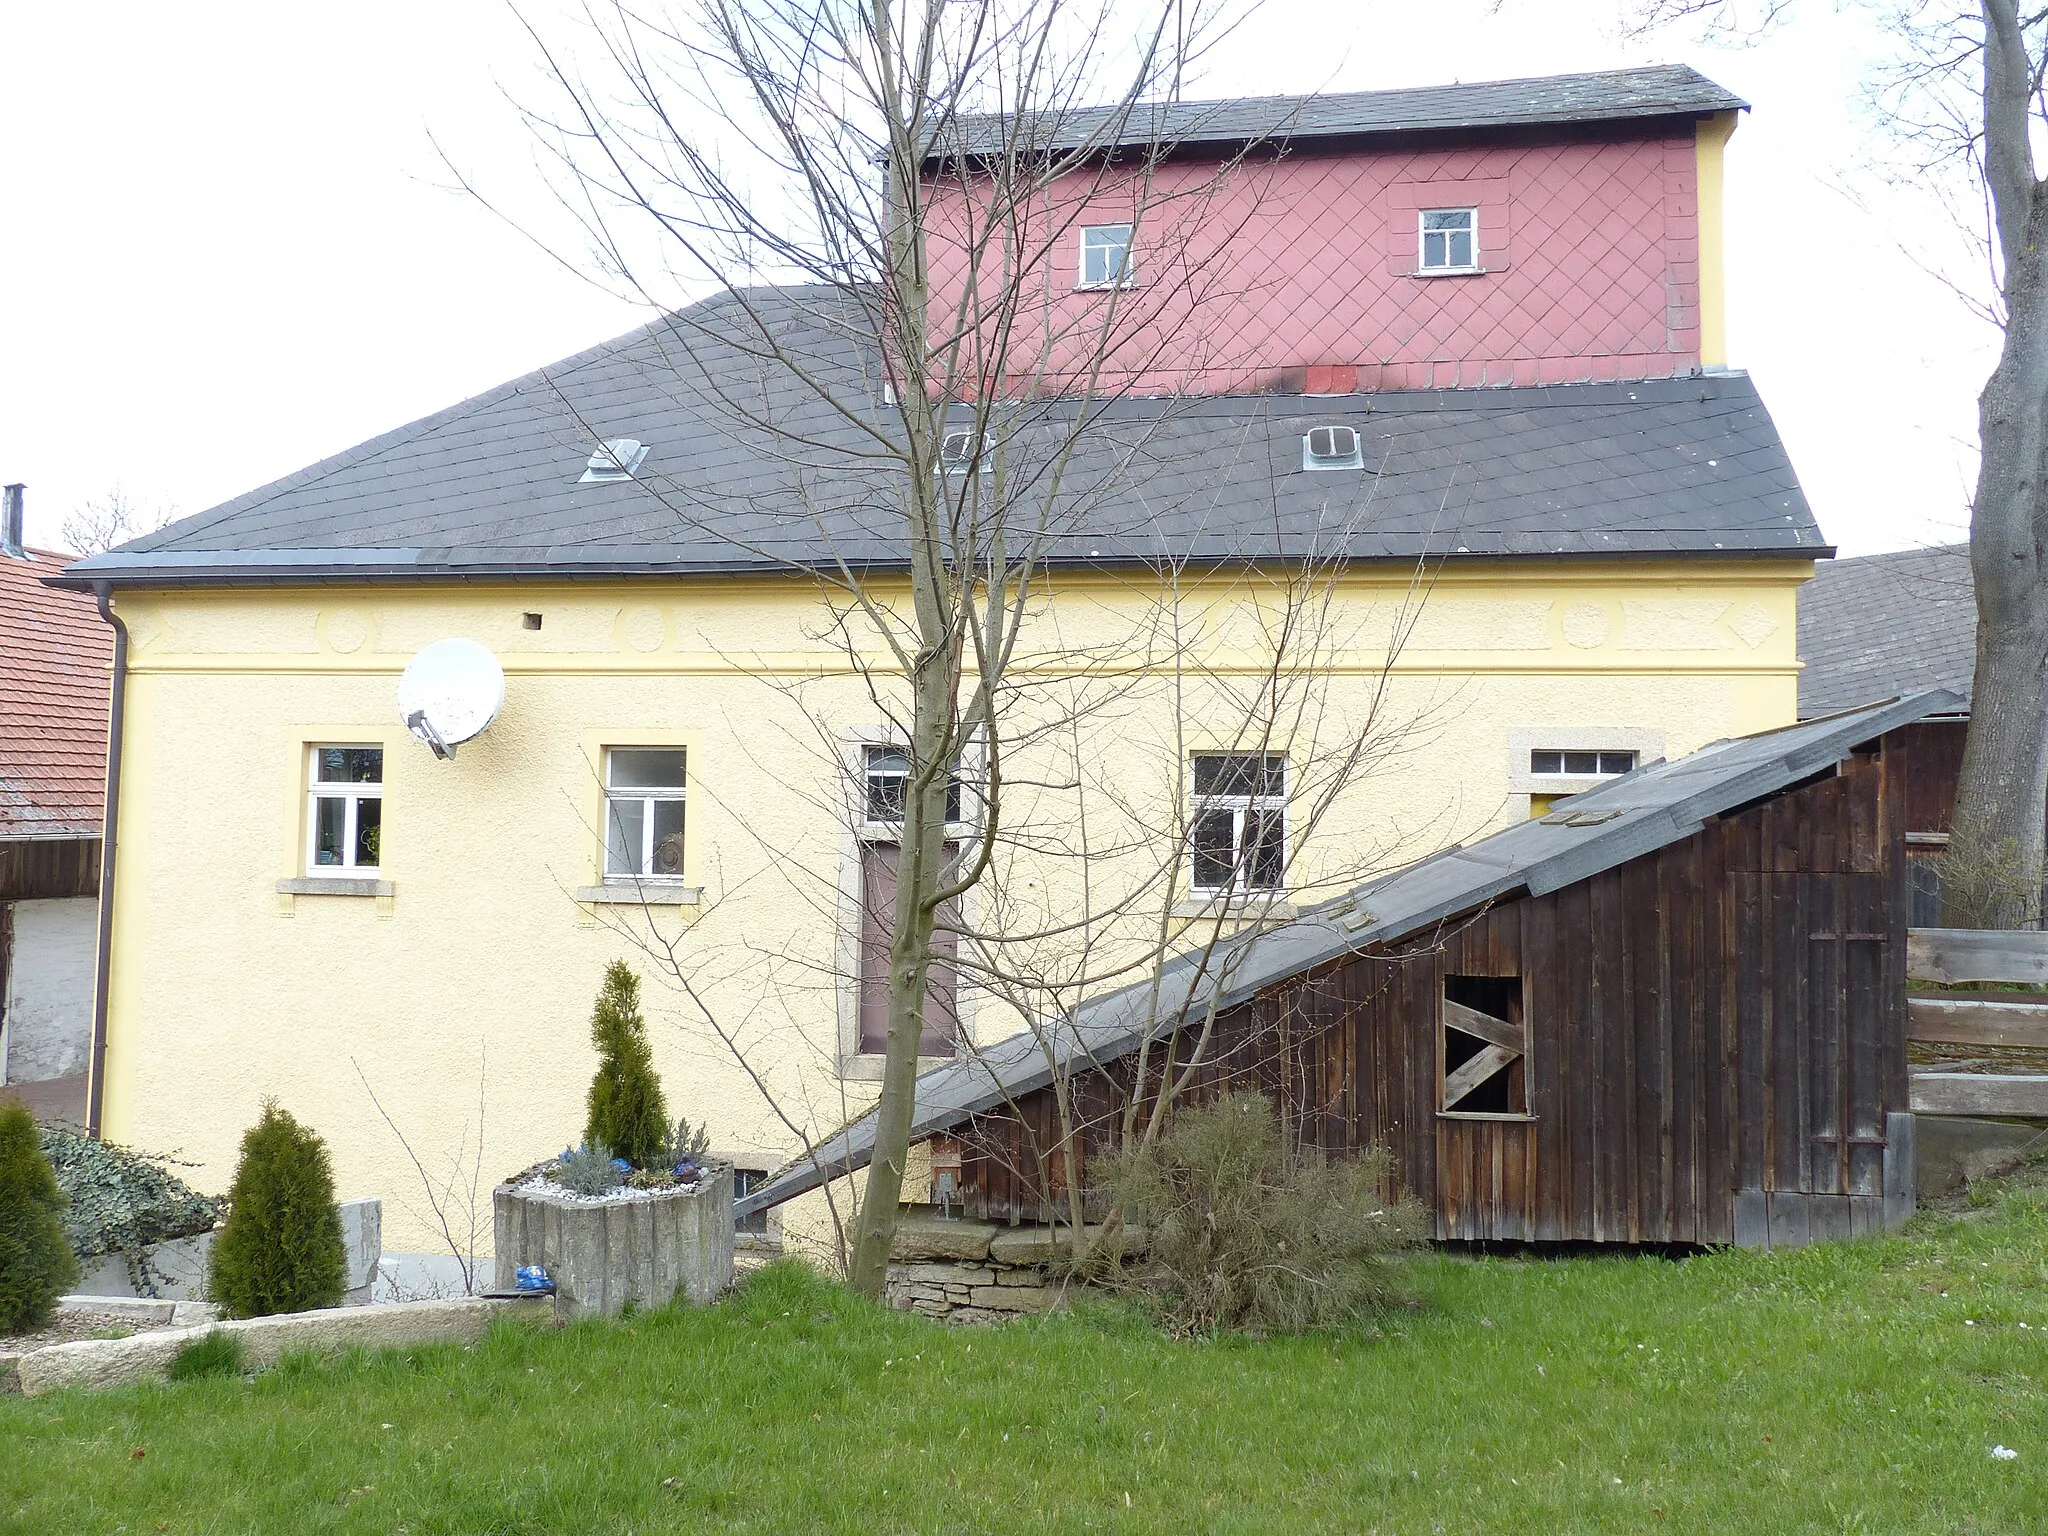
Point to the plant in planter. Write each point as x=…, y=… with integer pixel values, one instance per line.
x=636, y=1213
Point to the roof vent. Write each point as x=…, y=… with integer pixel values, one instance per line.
x=1332, y=448
x=957, y=449
x=616, y=459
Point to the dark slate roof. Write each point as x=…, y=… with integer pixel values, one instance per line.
x=1657, y=805
x=1606, y=96
x=1880, y=625
x=748, y=470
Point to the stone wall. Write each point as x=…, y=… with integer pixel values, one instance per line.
x=975, y=1271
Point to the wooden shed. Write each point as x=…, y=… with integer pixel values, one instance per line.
x=1670, y=1012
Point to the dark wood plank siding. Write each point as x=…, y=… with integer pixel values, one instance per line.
x=1723, y=1017
x=41, y=868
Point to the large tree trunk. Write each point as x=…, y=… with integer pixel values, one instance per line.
x=1992, y=877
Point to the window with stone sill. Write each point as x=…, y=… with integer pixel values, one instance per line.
x=644, y=792
x=344, y=810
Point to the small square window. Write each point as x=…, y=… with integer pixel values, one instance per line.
x=1484, y=1046
x=1450, y=239
x=345, y=810
x=1106, y=256
x=1237, y=826
x=887, y=778
x=1585, y=764
x=744, y=1182
x=644, y=791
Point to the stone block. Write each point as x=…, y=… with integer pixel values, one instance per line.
x=1011, y=1298
x=934, y=1237
x=362, y=1240
x=10, y=1375
x=1039, y=1246
x=603, y=1255
x=943, y=1274
x=94, y=1363
x=180, y=1265
x=134, y=1309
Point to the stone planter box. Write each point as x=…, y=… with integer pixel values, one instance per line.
x=602, y=1254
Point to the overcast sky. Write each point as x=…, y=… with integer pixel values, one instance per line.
x=228, y=249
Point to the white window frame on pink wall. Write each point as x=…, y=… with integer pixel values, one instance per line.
x=1128, y=278
x=1423, y=232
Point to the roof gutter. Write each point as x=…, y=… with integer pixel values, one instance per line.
x=96, y=1089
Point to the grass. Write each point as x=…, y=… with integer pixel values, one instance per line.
x=1848, y=1388
x=214, y=1354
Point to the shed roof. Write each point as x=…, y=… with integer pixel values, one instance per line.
x=54, y=656
x=1886, y=624
x=491, y=488
x=1641, y=812
x=1603, y=96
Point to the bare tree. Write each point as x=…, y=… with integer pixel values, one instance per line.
x=113, y=519
x=912, y=167
x=1964, y=99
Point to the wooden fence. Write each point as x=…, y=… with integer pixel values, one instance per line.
x=1986, y=1019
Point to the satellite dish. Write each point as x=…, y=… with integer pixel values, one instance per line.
x=450, y=692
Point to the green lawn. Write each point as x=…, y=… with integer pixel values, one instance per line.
x=1852, y=1388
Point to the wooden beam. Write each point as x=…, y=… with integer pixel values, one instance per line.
x=1971, y=1021
x=1476, y=1071
x=1969, y=954
x=1484, y=1026
x=1975, y=1093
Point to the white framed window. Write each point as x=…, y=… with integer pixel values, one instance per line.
x=1237, y=825
x=344, y=809
x=885, y=785
x=1449, y=239
x=960, y=449
x=1106, y=256
x=643, y=813
x=1564, y=762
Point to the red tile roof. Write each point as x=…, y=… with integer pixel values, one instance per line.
x=54, y=659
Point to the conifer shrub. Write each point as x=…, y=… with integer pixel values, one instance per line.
x=36, y=1265
x=281, y=1250
x=627, y=1111
x=1246, y=1232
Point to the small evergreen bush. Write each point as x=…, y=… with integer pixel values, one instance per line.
x=281, y=1250
x=588, y=1170
x=214, y=1354
x=686, y=1143
x=627, y=1111
x=36, y=1265
x=1248, y=1233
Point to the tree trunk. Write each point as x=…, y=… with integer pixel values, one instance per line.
x=1992, y=876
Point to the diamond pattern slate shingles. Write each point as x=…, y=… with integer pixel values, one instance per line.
x=490, y=486
x=1880, y=625
x=54, y=659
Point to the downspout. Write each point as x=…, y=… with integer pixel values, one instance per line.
x=109, y=832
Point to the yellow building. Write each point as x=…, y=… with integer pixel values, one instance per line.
x=1515, y=593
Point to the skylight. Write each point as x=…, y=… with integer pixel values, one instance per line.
x=1332, y=448
x=616, y=459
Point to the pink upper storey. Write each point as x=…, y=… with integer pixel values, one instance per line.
x=1299, y=273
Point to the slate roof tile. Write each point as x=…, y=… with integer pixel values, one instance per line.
x=1878, y=625
x=491, y=486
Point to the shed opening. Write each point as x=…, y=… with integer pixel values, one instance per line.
x=1483, y=1046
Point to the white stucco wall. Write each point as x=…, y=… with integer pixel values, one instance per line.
x=49, y=989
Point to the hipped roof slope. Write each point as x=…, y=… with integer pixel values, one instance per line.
x=1623, y=819
x=747, y=470
x=1884, y=624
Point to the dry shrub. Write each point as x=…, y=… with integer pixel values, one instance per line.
x=1247, y=1233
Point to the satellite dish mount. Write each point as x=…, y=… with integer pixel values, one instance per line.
x=450, y=693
